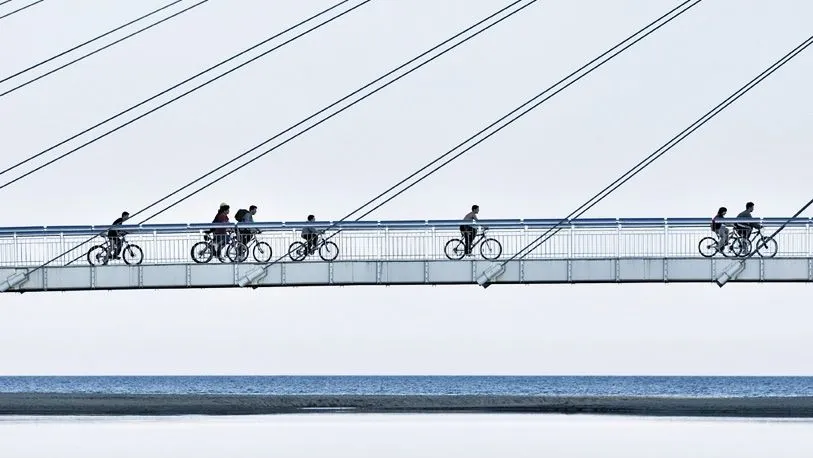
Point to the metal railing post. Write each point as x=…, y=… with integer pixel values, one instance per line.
x=386, y=252
x=433, y=244
x=571, y=249
x=158, y=256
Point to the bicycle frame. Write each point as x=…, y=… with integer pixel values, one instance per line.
x=320, y=242
x=481, y=235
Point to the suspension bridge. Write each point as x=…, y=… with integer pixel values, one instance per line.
x=358, y=252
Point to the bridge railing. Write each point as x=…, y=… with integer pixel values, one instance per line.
x=407, y=240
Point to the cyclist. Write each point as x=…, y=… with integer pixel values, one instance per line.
x=719, y=228
x=744, y=229
x=311, y=235
x=468, y=231
x=116, y=236
x=246, y=217
x=220, y=233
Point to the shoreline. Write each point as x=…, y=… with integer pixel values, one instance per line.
x=64, y=404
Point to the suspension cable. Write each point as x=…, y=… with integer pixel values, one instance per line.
x=4, y=2
x=425, y=53
x=351, y=104
x=647, y=161
x=762, y=242
x=534, y=102
x=607, y=56
x=20, y=9
x=86, y=43
x=206, y=83
x=68, y=64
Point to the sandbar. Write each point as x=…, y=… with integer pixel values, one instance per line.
x=218, y=404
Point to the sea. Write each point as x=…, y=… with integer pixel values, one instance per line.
x=688, y=386
x=444, y=435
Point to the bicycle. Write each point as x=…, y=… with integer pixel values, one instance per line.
x=328, y=250
x=102, y=254
x=709, y=246
x=490, y=248
x=767, y=247
x=203, y=252
x=237, y=251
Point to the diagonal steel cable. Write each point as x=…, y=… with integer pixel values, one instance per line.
x=32, y=67
x=20, y=9
x=674, y=141
x=368, y=85
x=206, y=83
x=523, y=109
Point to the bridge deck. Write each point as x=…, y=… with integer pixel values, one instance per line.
x=347, y=273
x=405, y=253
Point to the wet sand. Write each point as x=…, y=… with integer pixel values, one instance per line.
x=167, y=404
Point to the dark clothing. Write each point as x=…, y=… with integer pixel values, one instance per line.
x=220, y=234
x=311, y=238
x=221, y=217
x=113, y=232
x=311, y=235
x=716, y=223
x=744, y=229
x=116, y=238
x=468, y=233
x=245, y=236
x=746, y=215
x=240, y=216
x=743, y=232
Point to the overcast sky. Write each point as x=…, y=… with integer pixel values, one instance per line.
x=542, y=167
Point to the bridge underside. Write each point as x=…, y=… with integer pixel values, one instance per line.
x=348, y=273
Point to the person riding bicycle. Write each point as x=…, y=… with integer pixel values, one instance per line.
x=220, y=234
x=246, y=217
x=116, y=236
x=744, y=229
x=468, y=231
x=311, y=235
x=719, y=228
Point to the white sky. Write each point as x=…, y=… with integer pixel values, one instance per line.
x=541, y=167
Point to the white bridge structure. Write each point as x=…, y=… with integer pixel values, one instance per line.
x=615, y=250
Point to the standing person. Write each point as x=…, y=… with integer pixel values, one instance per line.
x=246, y=217
x=468, y=231
x=116, y=236
x=221, y=233
x=744, y=229
x=718, y=227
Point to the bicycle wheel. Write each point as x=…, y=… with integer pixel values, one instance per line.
x=132, y=255
x=767, y=247
x=707, y=247
x=490, y=249
x=262, y=252
x=454, y=249
x=740, y=247
x=237, y=252
x=329, y=251
x=202, y=252
x=297, y=251
x=98, y=256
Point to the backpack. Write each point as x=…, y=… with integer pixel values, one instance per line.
x=240, y=215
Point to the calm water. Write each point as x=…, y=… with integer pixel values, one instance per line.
x=589, y=386
x=425, y=436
